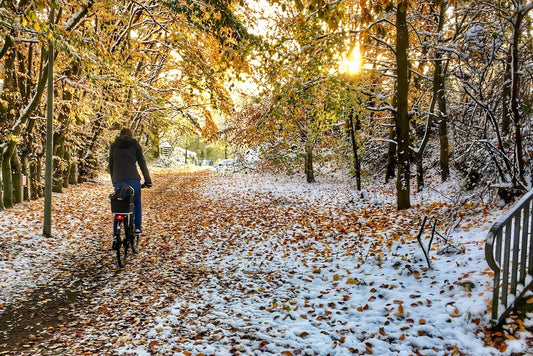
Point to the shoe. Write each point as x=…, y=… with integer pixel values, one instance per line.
x=137, y=231
x=114, y=245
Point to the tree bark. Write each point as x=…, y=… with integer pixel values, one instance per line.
x=392, y=161
x=7, y=176
x=309, y=171
x=1, y=183
x=403, y=178
x=440, y=86
x=16, y=169
x=515, y=89
x=352, y=127
x=506, y=96
x=443, y=120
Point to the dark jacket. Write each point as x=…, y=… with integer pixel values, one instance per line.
x=124, y=154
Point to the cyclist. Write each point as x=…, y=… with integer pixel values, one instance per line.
x=124, y=155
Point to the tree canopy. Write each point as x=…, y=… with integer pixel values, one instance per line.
x=444, y=85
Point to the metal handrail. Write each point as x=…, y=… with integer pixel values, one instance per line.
x=509, y=253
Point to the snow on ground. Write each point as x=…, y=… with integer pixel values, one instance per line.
x=27, y=259
x=318, y=296
x=300, y=291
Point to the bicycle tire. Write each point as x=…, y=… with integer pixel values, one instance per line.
x=133, y=238
x=122, y=243
x=135, y=243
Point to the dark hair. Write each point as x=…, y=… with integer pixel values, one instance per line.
x=126, y=132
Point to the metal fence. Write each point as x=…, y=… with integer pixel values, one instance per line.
x=509, y=253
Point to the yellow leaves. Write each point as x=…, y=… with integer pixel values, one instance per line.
x=352, y=281
x=455, y=313
x=336, y=277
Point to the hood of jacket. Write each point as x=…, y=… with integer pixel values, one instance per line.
x=124, y=141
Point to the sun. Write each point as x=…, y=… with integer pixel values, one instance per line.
x=352, y=64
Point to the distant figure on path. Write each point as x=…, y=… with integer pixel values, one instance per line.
x=124, y=155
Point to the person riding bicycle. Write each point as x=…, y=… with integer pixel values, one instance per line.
x=125, y=153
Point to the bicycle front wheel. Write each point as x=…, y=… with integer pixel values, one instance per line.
x=122, y=244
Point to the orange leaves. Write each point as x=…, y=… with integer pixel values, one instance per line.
x=254, y=260
x=399, y=312
x=153, y=346
x=363, y=308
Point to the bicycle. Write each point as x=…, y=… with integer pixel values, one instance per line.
x=124, y=239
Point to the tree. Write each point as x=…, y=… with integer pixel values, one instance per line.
x=302, y=93
x=484, y=70
x=124, y=65
x=402, y=116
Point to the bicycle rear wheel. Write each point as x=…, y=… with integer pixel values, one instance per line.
x=122, y=242
x=135, y=243
x=134, y=238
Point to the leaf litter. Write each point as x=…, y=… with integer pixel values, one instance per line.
x=247, y=264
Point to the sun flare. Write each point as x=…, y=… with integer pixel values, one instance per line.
x=352, y=64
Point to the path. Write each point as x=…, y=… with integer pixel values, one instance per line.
x=231, y=267
x=88, y=305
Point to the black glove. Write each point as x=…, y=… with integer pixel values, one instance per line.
x=147, y=185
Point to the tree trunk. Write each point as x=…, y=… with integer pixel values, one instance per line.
x=88, y=164
x=444, y=143
x=506, y=95
x=403, y=178
x=34, y=179
x=66, y=169
x=17, y=178
x=443, y=120
x=1, y=182
x=25, y=187
x=58, y=163
x=72, y=177
x=309, y=172
x=515, y=93
x=391, y=153
x=351, y=131
x=440, y=85
x=7, y=176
